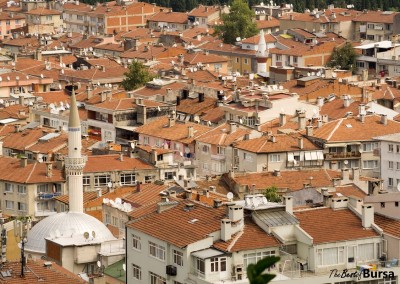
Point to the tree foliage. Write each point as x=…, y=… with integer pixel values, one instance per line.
x=272, y=195
x=343, y=58
x=255, y=271
x=238, y=23
x=136, y=77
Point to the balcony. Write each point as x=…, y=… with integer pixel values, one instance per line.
x=342, y=155
x=218, y=157
x=43, y=196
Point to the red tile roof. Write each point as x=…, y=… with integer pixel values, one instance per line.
x=170, y=17
x=388, y=225
x=107, y=163
x=326, y=225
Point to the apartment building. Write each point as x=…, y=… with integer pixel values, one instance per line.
x=170, y=21
x=45, y=21
x=8, y=22
x=106, y=18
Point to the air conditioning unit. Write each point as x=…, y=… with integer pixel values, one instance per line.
x=237, y=273
x=171, y=270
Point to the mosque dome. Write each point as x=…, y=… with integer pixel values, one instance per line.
x=66, y=224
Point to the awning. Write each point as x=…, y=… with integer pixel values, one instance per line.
x=207, y=253
x=307, y=156
x=320, y=156
x=129, y=128
x=290, y=157
x=328, y=145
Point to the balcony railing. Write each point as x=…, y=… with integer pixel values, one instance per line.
x=342, y=155
x=47, y=196
x=218, y=157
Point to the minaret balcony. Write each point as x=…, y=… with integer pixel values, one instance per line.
x=75, y=162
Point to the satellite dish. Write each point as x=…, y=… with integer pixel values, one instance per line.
x=238, y=38
x=93, y=234
x=59, y=86
x=229, y=195
x=398, y=186
x=124, y=266
x=209, y=123
x=67, y=105
x=52, y=106
x=1, y=101
x=62, y=71
x=241, y=121
x=118, y=200
x=109, y=184
x=41, y=76
x=346, y=162
x=98, y=263
x=308, y=74
x=158, y=108
x=105, y=200
x=1, y=79
x=61, y=104
x=312, y=73
x=280, y=87
x=334, y=75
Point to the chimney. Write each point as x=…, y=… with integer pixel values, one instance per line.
x=171, y=121
x=282, y=119
x=188, y=194
x=277, y=173
x=226, y=230
x=309, y=130
x=190, y=132
x=326, y=196
x=367, y=215
x=356, y=174
x=362, y=118
x=361, y=109
x=99, y=192
x=235, y=213
x=273, y=138
x=232, y=127
x=153, y=157
x=300, y=142
x=172, y=193
x=302, y=120
x=49, y=169
x=103, y=96
x=319, y=123
x=138, y=189
x=17, y=128
x=146, y=48
x=39, y=54
x=325, y=118
x=21, y=100
x=103, y=68
x=345, y=176
x=212, y=188
x=121, y=157
x=288, y=201
x=24, y=162
x=346, y=101
x=206, y=193
x=320, y=101
x=89, y=91
x=384, y=119
x=1, y=147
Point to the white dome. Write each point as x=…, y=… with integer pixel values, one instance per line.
x=63, y=225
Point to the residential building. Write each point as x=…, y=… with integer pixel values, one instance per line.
x=8, y=22
x=276, y=152
x=45, y=20
x=376, y=25
x=349, y=142
x=205, y=16
x=107, y=18
x=215, y=151
x=389, y=154
x=170, y=21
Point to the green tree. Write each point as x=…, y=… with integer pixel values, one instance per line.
x=136, y=76
x=272, y=195
x=343, y=58
x=238, y=23
x=255, y=271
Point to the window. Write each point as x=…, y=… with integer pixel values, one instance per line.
x=101, y=180
x=218, y=264
x=200, y=267
x=17, y=22
x=279, y=58
x=390, y=182
x=382, y=204
x=246, y=61
x=159, y=157
x=86, y=180
x=178, y=257
x=49, y=18
x=21, y=206
x=9, y=204
x=146, y=140
x=250, y=258
x=366, y=252
x=205, y=166
x=220, y=150
x=237, y=59
x=330, y=256
x=370, y=164
x=157, y=251
x=294, y=59
x=9, y=187
x=397, y=165
x=136, y=272
x=247, y=157
x=128, y=178
x=7, y=23
x=369, y=147
x=169, y=175
x=396, y=204
x=390, y=164
x=108, y=219
x=390, y=147
x=205, y=148
x=398, y=148
x=275, y=158
x=370, y=26
x=21, y=189
x=157, y=279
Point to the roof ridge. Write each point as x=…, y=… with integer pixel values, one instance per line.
x=235, y=239
x=334, y=129
x=30, y=174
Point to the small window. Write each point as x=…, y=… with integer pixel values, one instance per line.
x=178, y=258
x=390, y=147
x=396, y=204
x=390, y=164
x=390, y=182
x=136, y=272
x=382, y=204
x=136, y=244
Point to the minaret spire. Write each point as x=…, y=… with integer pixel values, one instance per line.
x=75, y=162
x=262, y=54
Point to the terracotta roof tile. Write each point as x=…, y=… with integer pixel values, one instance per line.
x=24, y=139
x=347, y=225
x=377, y=17
x=203, y=11
x=253, y=237
x=193, y=106
x=50, y=146
x=388, y=225
x=265, y=24
x=350, y=190
x=220, y=135
x=170, y=17
x=43, y=11
x=107, y=163
x=159, y=225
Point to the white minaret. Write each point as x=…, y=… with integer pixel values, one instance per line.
x=75, y=162
x=262, y=54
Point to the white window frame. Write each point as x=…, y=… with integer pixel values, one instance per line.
x=127, y=178
x=178, y=257
x=136, y=272
x=275, y=158
x=157, y=251
x=136, y=242
x=157, y=279
x=8, y=187
x=8, y=203
x=370, y=164
x=21, y=189
x=86, y=180
x=97, y=180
